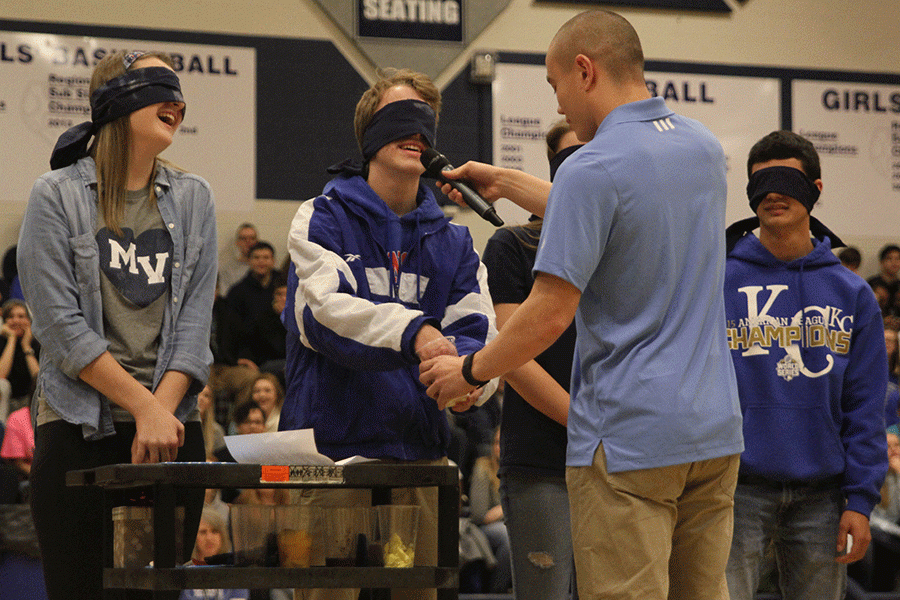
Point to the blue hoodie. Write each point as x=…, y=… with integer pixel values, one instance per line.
x=807, y=340
x=363, y=282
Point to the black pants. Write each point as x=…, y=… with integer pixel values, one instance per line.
x=69, y=520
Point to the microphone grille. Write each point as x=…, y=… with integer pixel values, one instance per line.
x=430, y=160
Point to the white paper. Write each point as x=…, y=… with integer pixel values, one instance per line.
x=296, y=447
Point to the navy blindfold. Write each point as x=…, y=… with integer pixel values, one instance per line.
x=117, y=98
x=559, y=157
x=786, y=181
x=397, y=120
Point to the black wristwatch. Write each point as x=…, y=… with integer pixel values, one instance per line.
x=467, y=372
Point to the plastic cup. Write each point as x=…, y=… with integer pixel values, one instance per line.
x=398, y=526
x=252, y=526
x=294, y=527
x=348, y=533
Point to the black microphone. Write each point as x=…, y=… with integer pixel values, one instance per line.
x=435, y=163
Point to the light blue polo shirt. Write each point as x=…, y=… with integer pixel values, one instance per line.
x=636, y=221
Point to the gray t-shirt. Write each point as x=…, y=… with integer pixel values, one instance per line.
x=136, y=269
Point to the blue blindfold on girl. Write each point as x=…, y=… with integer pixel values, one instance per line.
x=117, y=98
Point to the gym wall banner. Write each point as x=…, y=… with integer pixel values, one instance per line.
x=45, y=91
x=855, y=128
x=738, y=110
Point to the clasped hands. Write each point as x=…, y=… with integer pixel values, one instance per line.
x=439, y=363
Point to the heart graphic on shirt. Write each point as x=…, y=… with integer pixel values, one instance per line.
x=140, y=268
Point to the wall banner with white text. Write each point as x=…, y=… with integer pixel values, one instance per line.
x=855, y=128
x=46, y=80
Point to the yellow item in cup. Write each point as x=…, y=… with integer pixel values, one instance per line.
x=398, y=554
x=293, y=548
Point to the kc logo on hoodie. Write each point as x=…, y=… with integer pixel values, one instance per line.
x=763, y=331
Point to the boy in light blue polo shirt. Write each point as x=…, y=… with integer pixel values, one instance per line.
x=631, y=221
x=632, y=247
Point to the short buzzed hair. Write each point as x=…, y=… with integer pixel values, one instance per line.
x=606, y=38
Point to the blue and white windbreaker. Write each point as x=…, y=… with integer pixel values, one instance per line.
x=363, y=282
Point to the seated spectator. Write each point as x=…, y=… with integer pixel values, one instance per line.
x=265, y=347
x=267, y=392
x=234, y=261
x=19, y=357
x=851, y=258
x=250, y=418
x=890, y=493
x=252, y=296
x=17, y=450
x=892, y=345
x=212, y=539
x=9, y=479
x=18, y=441
x=889, y=265
x=487, y=512
x=212, y=536
x=892, y=399
x=247, y=418
x=880, y=570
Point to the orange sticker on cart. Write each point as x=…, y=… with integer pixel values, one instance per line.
x=275, y=473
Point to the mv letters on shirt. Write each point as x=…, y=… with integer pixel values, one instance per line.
x=138, y=266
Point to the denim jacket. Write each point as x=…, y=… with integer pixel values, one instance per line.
x=59, y=269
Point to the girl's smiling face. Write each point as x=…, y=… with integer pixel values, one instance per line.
x=265, y=395
x=17, y=320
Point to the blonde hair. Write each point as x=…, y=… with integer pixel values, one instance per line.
x=112, y=144
x=214, y=519
x=388, y=78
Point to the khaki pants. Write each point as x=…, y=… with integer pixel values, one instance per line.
x=426, y=498
x=652, y=534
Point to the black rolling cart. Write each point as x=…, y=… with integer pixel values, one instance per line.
x=163, y=478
